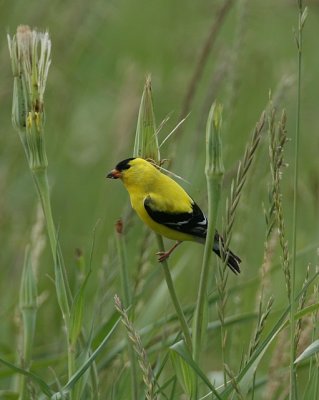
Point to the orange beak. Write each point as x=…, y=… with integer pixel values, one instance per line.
x=114, y=174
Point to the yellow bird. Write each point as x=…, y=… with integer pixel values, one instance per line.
x=164, y=206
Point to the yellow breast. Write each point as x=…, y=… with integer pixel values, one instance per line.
x=166, y=194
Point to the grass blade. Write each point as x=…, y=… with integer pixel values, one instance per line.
x=35, y=378
x=114, y=321
x=310, y=351
x=181, y=349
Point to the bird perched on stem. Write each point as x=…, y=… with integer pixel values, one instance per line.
x=164, y=206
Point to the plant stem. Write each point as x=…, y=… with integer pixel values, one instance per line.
x=61, y=282
x=42, y=185
x=172, y=292
x=214, y=171
x=121, y=249
x=293, y=383
x=221, y=287
x=213, y=187
x=28, y=309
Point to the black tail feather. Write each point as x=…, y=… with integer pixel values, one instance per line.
x=232, y=260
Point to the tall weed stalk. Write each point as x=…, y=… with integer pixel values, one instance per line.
x=214, y=171
x=302, y=16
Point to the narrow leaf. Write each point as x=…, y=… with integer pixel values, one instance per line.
x=304, y=17
x=181, y=349
x=183, y=372
x=113, y=324
x=310, y=351
x=76, y=316
x=35, y=378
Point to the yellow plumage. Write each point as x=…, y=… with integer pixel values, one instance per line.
x=164, y=206
x=143, y=181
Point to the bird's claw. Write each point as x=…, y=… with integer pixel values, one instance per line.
x=163, y=255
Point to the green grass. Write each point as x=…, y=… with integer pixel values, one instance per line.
x=101, y=53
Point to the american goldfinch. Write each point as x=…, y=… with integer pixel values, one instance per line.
x=164, y=206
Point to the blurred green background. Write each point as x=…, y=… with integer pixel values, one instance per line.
x=101, y=53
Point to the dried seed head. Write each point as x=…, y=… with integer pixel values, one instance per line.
x=30, y=53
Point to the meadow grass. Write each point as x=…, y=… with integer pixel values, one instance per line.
x=187, y=328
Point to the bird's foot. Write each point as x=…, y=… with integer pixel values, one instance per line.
x=163, y=255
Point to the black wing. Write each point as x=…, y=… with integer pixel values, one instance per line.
x=193, y=223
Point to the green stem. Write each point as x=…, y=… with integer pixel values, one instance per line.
x=61, y=282
x=223, y=350
x=302, y=14
x=95, y=381
x=293, y=383
x=29, y=319
x=172, y=292
x=64, y=293
x=214, y=190
x=22, y=387
x=42, y=185
x=214, y=170
x=127, y=296
x=28, y=309
x=125, y=281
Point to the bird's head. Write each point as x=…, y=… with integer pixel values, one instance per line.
x=132, y=171
x=120, y=170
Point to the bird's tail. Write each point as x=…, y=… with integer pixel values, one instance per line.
x=232, y=260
